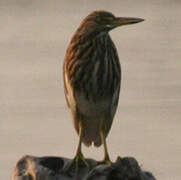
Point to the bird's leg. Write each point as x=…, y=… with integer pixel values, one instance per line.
x=106, y=154
x=79, y=157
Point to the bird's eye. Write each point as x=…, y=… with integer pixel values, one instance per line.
x=109, y=18
x=98, y=19
x=104, y=19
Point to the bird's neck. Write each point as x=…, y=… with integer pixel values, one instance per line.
x=89, y=43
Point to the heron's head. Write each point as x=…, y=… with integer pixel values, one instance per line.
x=103, y=21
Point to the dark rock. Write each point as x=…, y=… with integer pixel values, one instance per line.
x=51, y=168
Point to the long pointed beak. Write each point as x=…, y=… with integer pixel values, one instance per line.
x=127, y=20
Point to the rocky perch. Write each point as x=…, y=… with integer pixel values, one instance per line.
x=50, y=168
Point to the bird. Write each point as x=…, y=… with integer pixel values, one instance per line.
x=92, y=79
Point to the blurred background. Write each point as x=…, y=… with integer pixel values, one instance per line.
x=34, y=118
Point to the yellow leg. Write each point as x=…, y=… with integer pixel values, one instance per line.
x=79, y=158
x=106, y=154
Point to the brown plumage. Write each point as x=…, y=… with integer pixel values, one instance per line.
x=92, y=77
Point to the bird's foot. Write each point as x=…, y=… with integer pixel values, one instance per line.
x=74, y=167
x=105, y=161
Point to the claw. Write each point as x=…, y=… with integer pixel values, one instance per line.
x=105, y=161
x=75, y=165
